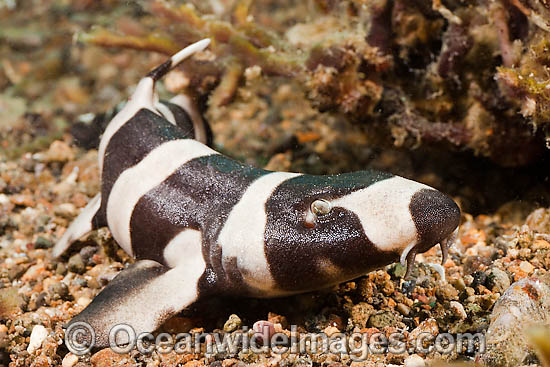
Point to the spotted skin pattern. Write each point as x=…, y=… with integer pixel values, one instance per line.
x=201, y=224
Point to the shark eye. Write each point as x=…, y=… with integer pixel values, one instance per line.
x=320, y=207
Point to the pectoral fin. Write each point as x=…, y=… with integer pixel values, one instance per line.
x=142, y=297
x=80, y=226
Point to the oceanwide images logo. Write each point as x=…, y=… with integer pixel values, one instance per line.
x=80, y=339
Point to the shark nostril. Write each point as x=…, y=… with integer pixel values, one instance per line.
x=435, y=216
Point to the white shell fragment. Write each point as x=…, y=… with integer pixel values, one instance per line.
x=38, y=335
x=69, y=360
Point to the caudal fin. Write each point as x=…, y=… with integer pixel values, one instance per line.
x=144, y=95
x=168, y=65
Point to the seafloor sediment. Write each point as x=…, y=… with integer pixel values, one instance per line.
x=53, y=86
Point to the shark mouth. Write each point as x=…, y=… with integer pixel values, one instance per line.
x=409, y=254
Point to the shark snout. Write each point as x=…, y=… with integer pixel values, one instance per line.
x=435, y=215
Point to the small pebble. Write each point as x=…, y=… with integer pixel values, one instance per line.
x=83, y=301
x=82, y=282
x=403, y=309
x=252, y=72
x=107, y=358
x=87, y=254
x=233, y=323
x=264, y=330
x=526, y=267
x=446, y=292
x=69, y=360
x=93, y=283
x=15, y=272
x=498, y=280
x=331, y=330
x=408, y=286
x=59, y=151
x=4, y=199
x=458, y=310
x=33, y=272
x=43, y=243
x=61, y=269
x=382, y=319
x=414, y=361
x=38, y=335
x=427, y=326
x=66, y=210
x=23, y=200
x=59, y=290
x=76, y=264
x=360, y=314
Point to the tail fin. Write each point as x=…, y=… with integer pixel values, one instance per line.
x=165, y=67
x=144, y=95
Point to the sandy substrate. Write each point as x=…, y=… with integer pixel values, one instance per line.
x=42, y=192
x=46, y=178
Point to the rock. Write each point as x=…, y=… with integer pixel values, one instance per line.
x=10, y=302
x=107, y=358
x=264, y=330
x=36, y=301
x=252, y=72
x=397, y=270
x=279, y=319
x=382, y=319
x=23, y=200
x=428, y=326
x=87, y=254
x=15, y=272
x=526, y=267
x=34, y=272
x=83, y=301
x=61, y=269
x=42, y=243
x=360, y=314
x=458, y=310
x=498, y=280
x=59, y=151
x=76, y=264
x=59, y=290
x=526, y=303
x=414, y=361
x=66, y=210
x=539, y=220
x=474, y=263
x=233, y=323
x=446, y=292
x=330, y=330
x=93, y=283
x=69, y=360
x=38, y=335
x=403, y=309
x=458, y=283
